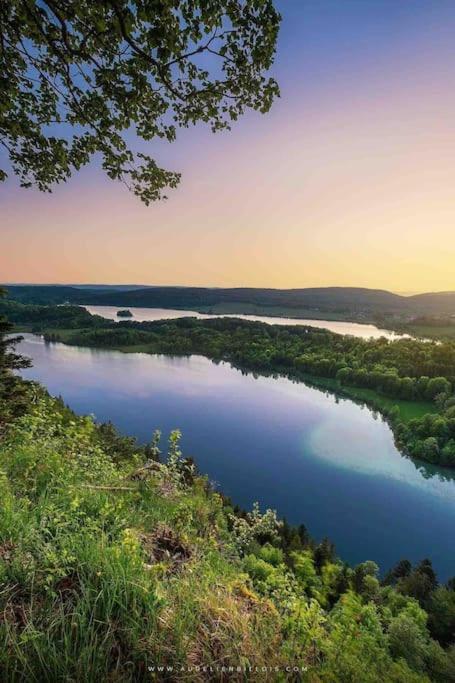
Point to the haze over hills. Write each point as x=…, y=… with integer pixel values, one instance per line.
x=355, y=301
x=437, y=302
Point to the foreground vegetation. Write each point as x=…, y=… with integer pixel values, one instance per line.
x=113, y=563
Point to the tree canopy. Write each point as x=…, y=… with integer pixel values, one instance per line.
x=76, y=75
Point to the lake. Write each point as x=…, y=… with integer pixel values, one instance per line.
x=364, y=330
x=316, y=459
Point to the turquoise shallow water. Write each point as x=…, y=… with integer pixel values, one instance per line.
x=323, y=461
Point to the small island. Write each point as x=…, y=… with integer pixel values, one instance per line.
x=124, y=313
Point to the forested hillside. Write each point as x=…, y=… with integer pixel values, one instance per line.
x=181, y=297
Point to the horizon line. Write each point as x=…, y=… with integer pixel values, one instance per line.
x=178, y=286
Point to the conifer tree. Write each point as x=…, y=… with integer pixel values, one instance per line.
x=12, y=389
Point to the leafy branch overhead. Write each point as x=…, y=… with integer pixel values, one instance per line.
x=76, y=75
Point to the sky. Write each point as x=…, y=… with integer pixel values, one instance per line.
x=348, y=180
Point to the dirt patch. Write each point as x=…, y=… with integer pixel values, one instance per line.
x=165, y=545
x=68, y=588
x=15, y=614
x=166, y=489
x=16, y=608
x=6, y=551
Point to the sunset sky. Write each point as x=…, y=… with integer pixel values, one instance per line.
x=349, y=180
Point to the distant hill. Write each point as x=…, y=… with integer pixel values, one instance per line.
x=434, y=302
x=341, y=299
x=42, y=294
x=355, y=302
x=109, y=288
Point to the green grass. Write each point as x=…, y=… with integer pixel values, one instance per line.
x=408, y=409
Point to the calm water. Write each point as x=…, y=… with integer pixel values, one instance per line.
x=328, y=463
x=141, y=314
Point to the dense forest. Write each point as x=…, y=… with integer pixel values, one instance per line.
x=406, y=371
x=119, y=562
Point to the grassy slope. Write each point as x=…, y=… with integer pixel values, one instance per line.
x=89, y=588
x=104, y=573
